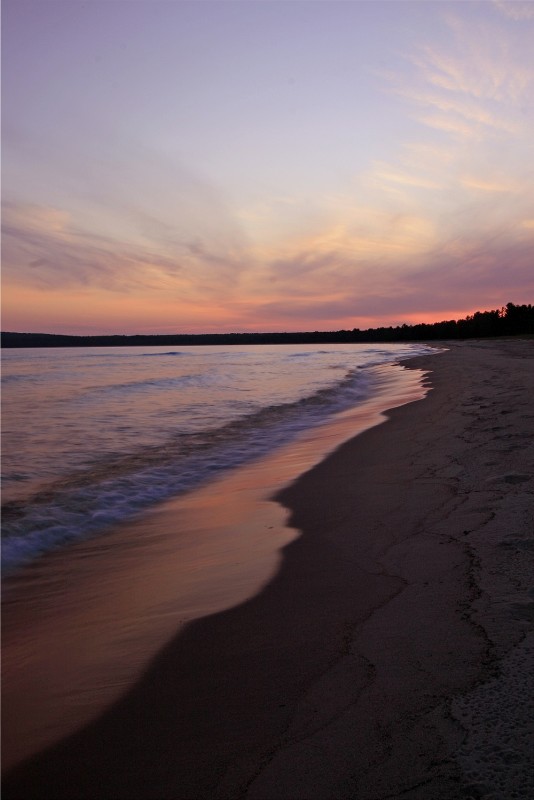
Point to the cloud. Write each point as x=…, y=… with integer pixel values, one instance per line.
x=515, y=9
x=427, y=156
x=375, y=270
x=362, y=236
x=455, y=127
x=131, y=211
x=481, y=280
x=483, y=265
x=474, y=76
x=461, y=246
x=470, y=111
x=42, y=247
x=488, y=185
x=388, y=173
x=481, y=61
x=473, y=87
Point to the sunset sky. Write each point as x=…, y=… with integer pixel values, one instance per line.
x=208, y=166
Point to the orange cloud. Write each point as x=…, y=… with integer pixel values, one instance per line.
x=488, y=185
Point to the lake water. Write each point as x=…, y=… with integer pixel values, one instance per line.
x=92, y=436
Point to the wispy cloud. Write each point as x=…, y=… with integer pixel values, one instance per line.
x=467, y=275
x=474, y=74
x=467, y=110
x=43, y=247
x=515, y=9
x=344, y=277
x=391, y=174
x=482, y=184
x=474, y=86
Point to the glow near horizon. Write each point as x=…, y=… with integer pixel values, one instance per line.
x=234, y=166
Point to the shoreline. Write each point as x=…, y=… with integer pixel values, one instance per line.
x=359, y=669
x=134, y=588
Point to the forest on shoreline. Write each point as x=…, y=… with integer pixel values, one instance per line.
x=510, y=320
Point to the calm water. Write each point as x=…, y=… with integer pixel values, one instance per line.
x=93, y=435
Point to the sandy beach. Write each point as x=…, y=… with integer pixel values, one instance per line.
x=389, y=649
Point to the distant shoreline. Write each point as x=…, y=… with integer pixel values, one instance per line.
x=20, y=340
x=510, y=320
x=36, y=340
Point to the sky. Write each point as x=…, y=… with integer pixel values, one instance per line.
x=176, y=166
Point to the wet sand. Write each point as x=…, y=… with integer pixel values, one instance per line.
x=389, y=653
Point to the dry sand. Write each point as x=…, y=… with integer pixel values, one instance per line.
x=390, y=654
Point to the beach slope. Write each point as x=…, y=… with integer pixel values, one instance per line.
x=388, y=657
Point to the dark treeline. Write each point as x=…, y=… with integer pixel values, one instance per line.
x=510, y=320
